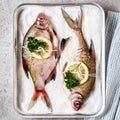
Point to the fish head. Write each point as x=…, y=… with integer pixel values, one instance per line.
x=42, y=21
x=76, y=100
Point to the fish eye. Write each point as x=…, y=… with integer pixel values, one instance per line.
x=42, y=19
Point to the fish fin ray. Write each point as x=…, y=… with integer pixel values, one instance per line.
x=80, y=16
x=25, y=67
x=76, y=25
x=64, y=43
x=54, y=32
x=46, y=100
x=64, y=67
x=92, y=51
x=52, y=76
x=33, y=100
x=68, y=19
x=44, y=96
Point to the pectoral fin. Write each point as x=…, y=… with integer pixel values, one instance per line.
x=64, y=43
x=64, y=67
x=25, y=67
x=52, y=76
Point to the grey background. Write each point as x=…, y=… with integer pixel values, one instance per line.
x=7, y=8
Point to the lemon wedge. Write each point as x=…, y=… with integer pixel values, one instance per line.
x=79, y=70
x=43, y=52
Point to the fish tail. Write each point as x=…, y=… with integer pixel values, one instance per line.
x=33, y=99
x=44, y=96
x=79, y=19
x=76, y=25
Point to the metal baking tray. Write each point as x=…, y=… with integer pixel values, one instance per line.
x=93, y=26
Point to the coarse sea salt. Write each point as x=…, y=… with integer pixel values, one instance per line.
x=92, y=29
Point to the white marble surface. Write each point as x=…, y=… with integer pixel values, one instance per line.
x=6, y=50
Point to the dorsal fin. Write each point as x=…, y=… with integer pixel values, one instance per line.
x=92, y=51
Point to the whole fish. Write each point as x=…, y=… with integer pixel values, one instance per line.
x=78, y=52
x=41, y=69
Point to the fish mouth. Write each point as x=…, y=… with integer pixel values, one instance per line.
x=76, y=105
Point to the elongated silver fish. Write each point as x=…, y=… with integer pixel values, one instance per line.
x=80, y=68
x=40, y=62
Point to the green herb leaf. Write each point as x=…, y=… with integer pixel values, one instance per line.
x=34, y=44
x=70, y=80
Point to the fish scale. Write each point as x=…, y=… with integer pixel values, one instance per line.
x=82, y=53
x=41, y=70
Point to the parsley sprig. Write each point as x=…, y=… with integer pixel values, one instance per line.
x=70, y=80
x=34, y=44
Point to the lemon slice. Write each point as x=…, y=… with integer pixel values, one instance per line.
x=79, y=70
x=46, y=52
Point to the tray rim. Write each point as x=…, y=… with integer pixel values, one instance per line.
x=49, y=115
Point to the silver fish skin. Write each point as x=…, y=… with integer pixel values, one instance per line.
x=79, y=51
x=41, y=70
